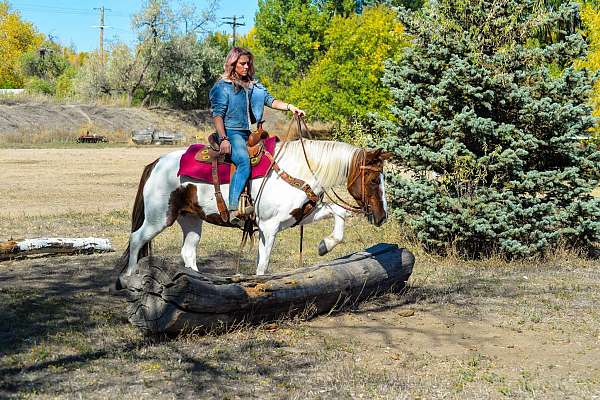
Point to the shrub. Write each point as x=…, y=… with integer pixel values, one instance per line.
x=352, y=131
x=41, y=86
x=64, y=83
x=346, y=82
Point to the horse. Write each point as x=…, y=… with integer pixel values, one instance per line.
x=163, y=197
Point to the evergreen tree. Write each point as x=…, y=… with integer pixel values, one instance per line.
x=489, y=126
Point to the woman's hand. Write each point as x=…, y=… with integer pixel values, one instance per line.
x=296, y=110
x=225, y=147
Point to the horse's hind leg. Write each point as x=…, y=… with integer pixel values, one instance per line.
x=191, y=225
x=339, y=216
x=155, y=222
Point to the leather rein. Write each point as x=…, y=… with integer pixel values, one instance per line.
x=364, y=207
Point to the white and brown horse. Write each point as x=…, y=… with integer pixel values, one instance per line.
x=163, y=197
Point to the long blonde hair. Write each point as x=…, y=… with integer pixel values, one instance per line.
x=230, y=63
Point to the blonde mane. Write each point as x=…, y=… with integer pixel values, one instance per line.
x=329, y=160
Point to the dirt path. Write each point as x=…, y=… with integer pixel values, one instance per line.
x=478, y=333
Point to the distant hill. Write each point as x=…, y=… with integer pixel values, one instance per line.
x=31, y=118
x=28, y=121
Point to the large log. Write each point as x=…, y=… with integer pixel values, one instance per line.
x=165, y=298
x=27, y=247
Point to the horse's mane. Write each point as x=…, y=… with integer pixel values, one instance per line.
x=329, y=160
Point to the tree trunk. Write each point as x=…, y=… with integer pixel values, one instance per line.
x=164, y=298
x=26, y=247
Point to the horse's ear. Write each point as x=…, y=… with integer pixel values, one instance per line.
x=378, y=155
x=386, y=155
x=372, y=155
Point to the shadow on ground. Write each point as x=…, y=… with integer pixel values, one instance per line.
x=62, y=333
x=58, y=318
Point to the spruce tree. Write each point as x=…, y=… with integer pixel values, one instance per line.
x=489, y=129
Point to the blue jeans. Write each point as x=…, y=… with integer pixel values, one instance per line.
x=239, y=156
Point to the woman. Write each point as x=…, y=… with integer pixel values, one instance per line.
x=237, y=102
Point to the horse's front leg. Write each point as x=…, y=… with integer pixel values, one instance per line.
x=267, y=233
x=339, y=214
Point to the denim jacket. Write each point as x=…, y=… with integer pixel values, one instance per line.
x=232, y=105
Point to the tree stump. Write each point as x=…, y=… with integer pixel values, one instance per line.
x=166, y=298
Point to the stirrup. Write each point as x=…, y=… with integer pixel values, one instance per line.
x=245, y=207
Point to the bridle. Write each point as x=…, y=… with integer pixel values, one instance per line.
x=365, y=207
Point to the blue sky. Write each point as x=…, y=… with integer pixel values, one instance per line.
x=71, y=22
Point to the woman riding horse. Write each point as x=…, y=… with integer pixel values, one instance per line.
x=165, y=197
x=237, y=102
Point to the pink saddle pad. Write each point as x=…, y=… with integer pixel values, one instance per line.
x=202, y=170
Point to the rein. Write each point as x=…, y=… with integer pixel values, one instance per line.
x=313, y=198
x=364, y=209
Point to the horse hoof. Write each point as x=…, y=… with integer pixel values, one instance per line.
x=116, y=288
x=323, y=248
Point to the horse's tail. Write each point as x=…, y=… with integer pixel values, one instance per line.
x=137, y=220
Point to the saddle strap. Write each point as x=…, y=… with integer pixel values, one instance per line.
x=221, y=206
x=313, y=198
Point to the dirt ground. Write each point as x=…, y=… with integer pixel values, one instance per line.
x=473, y=330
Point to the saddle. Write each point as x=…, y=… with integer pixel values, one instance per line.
x=256, y=150
x=205, y=163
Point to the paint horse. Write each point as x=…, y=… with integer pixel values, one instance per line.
x=163, y=197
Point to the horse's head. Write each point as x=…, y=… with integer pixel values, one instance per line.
x=366, y=184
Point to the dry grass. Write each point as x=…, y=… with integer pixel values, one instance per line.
x=480, y=329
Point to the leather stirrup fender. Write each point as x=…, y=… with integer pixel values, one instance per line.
x=221, y=206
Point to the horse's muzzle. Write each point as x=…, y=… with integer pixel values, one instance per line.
x=373, y=221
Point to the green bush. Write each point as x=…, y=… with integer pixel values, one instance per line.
x=64, y=83
x=346, y=81
x=352, y=131
x=48, y=65
x=41, y=86
x=490, y=132
x=290, y=37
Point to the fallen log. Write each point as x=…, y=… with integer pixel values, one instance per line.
x=166, y=298
x=26, y=247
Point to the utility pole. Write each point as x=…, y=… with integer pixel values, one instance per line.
x=102, y=26
x=233, y=22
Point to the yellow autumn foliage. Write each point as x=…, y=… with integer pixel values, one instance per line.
x=16, y=38
x=346, y=81
x=590, y=15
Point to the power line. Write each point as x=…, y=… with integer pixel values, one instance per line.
x=30, y=7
